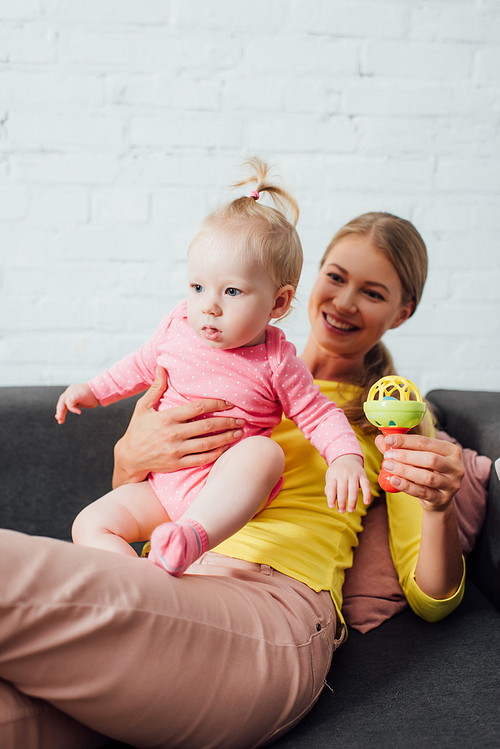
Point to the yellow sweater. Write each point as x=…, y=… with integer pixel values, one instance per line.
x=299, y=535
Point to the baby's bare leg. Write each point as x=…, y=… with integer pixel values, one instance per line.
x=237, y=488
x=125, y=515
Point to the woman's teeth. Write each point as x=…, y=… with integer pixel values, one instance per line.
x=340, y=325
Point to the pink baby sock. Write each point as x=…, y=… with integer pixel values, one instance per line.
x=174, y=546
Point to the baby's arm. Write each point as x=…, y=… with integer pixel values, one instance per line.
x=130, y=375
x=344, y=478
x=74, y=398
x=136, y=371
x=326, y=427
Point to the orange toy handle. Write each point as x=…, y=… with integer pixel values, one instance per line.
x=393, y=430
x=384, y=478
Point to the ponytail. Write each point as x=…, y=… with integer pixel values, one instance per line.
x=261, y=229
x=284, y=200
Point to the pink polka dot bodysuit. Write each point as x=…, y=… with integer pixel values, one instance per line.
x=262, y=381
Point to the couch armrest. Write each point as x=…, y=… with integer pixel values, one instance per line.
x=473, y=418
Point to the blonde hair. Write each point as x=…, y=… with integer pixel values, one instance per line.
x=261, y=229
x=403, y=246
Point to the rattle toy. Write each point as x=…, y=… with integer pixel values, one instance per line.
x=394, y=405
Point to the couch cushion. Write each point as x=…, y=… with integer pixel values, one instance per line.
x=409, y=684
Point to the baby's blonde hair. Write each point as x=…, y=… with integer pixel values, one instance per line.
x=260, y=229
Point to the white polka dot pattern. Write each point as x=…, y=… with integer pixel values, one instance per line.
x=262, y=381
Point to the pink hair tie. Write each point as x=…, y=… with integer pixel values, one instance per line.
x=254, y=195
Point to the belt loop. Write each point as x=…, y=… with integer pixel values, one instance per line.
x=340, y=635
x=265, y=569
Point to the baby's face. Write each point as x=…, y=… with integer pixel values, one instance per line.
x=230, y=297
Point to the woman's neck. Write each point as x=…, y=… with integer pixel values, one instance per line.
x=325, y=365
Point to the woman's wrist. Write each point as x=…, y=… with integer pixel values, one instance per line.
x=440, y=565
x=124, y=471
x=444, y=507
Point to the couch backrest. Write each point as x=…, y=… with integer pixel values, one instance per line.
x=48, y=473
x=473, y=418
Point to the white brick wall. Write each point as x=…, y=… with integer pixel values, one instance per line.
x=122, y=123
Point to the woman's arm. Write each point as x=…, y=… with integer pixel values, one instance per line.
x=167, y=441
x=430, y=470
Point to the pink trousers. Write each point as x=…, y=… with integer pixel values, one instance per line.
x=96, y=644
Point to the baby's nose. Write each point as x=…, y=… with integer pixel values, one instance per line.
x=211, y=307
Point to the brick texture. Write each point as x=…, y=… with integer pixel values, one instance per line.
x=122, y=124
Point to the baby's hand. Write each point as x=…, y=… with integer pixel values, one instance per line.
x=74, y=399
x=344, y=478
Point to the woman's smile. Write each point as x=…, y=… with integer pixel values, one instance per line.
x=356, y=298
x=339, y=325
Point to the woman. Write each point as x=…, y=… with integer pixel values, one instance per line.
x=234, y=653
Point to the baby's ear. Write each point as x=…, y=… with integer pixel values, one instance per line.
x=282, y=301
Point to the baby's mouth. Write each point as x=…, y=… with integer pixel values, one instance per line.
x=339, y=324
x=211, y=333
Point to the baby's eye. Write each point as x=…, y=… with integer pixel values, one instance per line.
x=232, y=291
x=197, y=288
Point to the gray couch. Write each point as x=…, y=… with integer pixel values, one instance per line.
x=405, y=684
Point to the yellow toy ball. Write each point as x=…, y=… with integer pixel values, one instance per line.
x=394, y=403
x=393, y=414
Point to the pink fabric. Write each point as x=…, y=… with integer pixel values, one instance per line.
x=28, y=723
x=262, y=381
x=371, y=590
x=175, y=546
x=470, y=502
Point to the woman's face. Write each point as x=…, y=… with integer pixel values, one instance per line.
x=356, y=298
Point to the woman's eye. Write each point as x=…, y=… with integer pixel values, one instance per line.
x=335, y=277
x=374, y=294
x=232, y=292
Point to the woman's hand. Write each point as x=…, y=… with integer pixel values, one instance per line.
x=167, y=441
x=430, y=470
x=426, y=468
